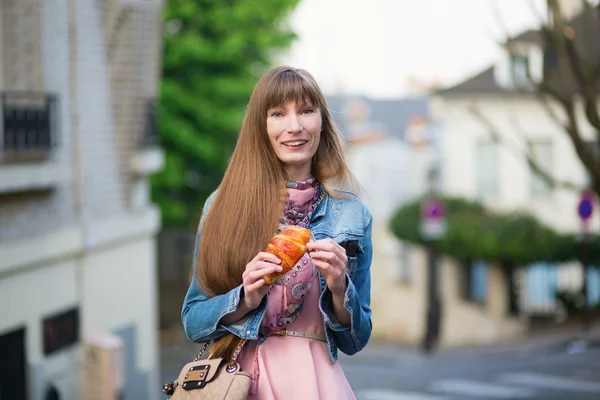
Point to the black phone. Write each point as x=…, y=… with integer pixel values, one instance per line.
x=351, y=247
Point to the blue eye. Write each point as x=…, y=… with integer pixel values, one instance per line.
x=276, y=114
x=307, y=111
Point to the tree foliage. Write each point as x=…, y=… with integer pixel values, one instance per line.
x=474, y=233
x=214, y=52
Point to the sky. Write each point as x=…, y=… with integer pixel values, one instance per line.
x=375, y=47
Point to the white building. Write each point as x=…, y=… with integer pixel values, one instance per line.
x=477, y=166
x=389, y=149
x=78, y=82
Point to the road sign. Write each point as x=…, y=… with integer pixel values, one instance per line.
x=433, y=221
x=585, y=209
x=433, y=209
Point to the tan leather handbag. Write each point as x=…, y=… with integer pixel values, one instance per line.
x=211, y=379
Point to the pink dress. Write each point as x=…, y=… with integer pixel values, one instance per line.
x=294, y=367
x=297, y=368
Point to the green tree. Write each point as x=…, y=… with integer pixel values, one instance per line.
x=474, y=233
x=214, y=52
x=509, y=239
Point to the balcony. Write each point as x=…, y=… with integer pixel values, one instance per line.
x=150, y=158
x=29, y=124
x=28, y=137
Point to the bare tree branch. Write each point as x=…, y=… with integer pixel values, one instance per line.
x=579, y=64
x=548, y=108
x=519, y=152
x=568, y=67
x=573, y=82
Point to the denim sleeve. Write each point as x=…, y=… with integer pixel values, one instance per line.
x=200, y=314
x=357, y=300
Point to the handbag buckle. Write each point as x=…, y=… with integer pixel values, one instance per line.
x=195, y=377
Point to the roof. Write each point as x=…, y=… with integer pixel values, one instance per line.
x=485, y=82
x=531, y=35
x=390, y=116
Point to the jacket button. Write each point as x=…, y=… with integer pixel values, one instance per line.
x=248, y=332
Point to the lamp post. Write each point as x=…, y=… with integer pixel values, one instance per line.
x=585, y=209
x=432, y=229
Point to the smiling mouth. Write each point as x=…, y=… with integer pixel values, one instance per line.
x=295, y=143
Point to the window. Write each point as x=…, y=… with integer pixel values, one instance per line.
x=519, y=69
x=474, y=282
x=400, y=268
x=28, y=122
x=486, y=164
x=406, y=273
x=541, y=151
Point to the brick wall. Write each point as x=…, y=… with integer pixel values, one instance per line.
x=117, y=42
x=35, y=57
x=132, y=47
x=21, y=41
x=102, y=181
x=104, y=70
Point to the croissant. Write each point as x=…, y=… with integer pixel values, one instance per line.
x=289, y=246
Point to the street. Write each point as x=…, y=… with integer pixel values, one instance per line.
x=533, y=369
x=547, y=372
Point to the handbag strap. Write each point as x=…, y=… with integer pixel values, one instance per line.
x=237, y=351
x=202, y=350
x=234, y=355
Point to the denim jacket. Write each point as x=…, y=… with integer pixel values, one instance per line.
x=345, y=220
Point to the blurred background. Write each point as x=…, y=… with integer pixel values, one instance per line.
x=472, y=125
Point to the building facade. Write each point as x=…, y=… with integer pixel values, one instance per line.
x=391, y=145
x=77, y=229
x=492, y=121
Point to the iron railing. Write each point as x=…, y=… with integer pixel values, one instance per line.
x=29, y=123
x=150, y=135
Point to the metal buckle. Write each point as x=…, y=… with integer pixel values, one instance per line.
x=281, y=333
x=196, y=377
x=231, y=367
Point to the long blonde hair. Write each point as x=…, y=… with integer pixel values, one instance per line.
x=249, y=203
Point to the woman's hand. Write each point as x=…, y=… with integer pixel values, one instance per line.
x=253, y=278
x=331, y=260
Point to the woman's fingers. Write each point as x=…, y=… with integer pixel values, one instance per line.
x=331, y=257
x=324, y=256
x=323, y=266
x=327, y=245
x=263, y=269
x=254, y=285
x=328, y=269
x=268, y=257
x=259, y=261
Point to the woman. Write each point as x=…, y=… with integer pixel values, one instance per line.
x=287, y=159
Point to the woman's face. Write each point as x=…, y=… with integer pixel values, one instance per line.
x=294, y=130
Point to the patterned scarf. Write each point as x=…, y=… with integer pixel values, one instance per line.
x=286, y=298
